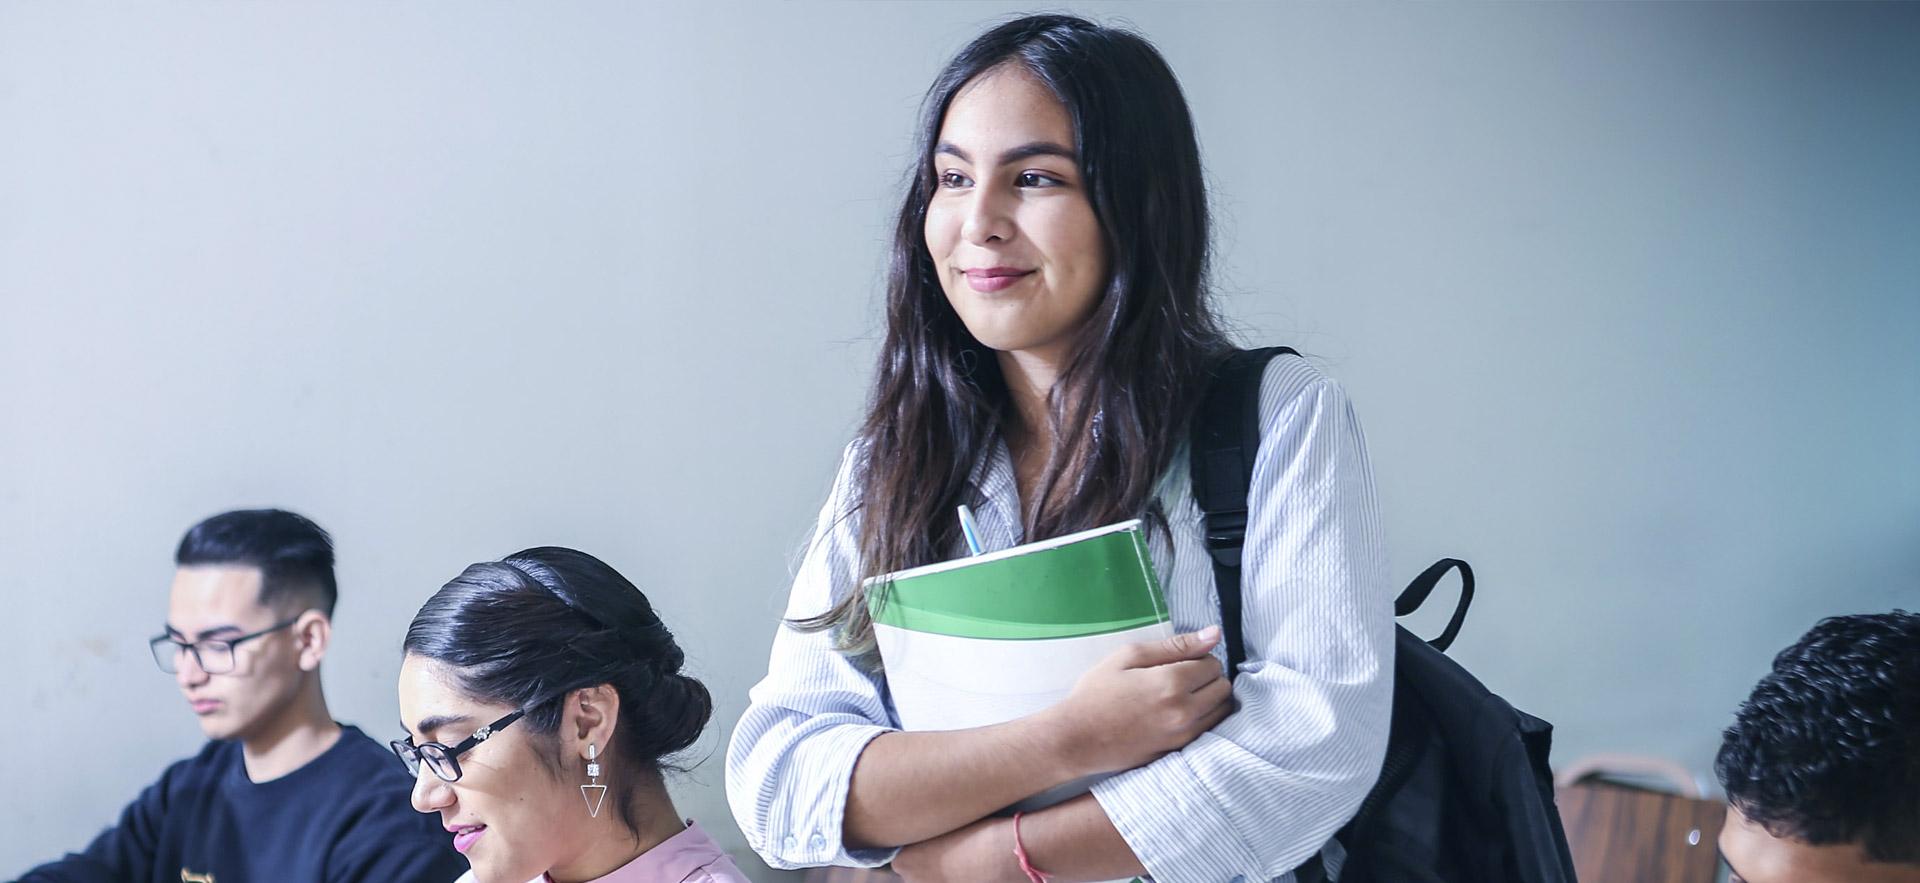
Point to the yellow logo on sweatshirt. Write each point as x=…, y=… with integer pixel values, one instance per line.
x=187, y=876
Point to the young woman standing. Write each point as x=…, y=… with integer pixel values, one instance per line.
x=1048, y=338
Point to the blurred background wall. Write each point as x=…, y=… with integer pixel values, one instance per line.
x=1625, y=294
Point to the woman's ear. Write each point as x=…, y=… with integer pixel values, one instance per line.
x=312, y=633
x=589, y=717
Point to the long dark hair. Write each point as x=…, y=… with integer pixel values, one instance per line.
x=530, y=628
x=1137, y=366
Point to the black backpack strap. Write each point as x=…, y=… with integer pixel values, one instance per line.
x=1226, y=437
x=1417, y=591
x=1225, y=440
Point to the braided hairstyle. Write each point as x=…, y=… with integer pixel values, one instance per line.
x=529, y=629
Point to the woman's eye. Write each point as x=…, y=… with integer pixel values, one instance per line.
x=1037, y=179
x=951, y=180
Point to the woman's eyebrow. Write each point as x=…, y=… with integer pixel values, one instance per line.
x=427, y=727
x=1037, y=148
x=1013, y=154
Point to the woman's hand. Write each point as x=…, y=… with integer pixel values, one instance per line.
x=978, y=853
x=1135, y=705
x=1141, y=702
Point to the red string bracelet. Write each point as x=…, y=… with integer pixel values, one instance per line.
x=1034, y=875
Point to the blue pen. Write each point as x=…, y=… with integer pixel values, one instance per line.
x=969, y=529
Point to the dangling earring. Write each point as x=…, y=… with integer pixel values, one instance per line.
x=593, y=792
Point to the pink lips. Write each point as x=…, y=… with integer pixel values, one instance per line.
x=991, y=279
x=463, y=838
x=205, y=706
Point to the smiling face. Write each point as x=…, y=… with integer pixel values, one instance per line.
x=512, y=817
x=1010, y=228
x=222, y=602
x=1757, y=856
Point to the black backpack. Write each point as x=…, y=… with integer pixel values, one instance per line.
x=1465, y=793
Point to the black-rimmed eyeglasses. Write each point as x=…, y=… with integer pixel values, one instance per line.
x=444, y=760
x=213, y=655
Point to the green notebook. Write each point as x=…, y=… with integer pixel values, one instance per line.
x=993, y=637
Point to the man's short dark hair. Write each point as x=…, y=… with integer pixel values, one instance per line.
x=1827, y=749
x=294, y=555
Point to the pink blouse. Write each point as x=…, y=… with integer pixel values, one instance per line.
x=687, y=857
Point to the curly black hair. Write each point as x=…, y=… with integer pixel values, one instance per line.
x=1827, y=748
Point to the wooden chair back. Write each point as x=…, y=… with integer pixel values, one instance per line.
x=1626, y=834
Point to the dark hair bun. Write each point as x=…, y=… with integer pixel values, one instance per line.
x=653, y=646
x=675, y=715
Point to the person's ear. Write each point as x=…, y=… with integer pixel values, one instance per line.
x=312, y=634
x=589, y=716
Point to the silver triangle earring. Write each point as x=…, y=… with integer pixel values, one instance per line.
x=593, y=792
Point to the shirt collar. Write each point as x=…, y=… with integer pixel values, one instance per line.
x=670, y=861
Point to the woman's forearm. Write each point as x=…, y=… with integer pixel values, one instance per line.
x=908, y=787
x=1074, y=841
x=1077, y=841
x=1138, y=703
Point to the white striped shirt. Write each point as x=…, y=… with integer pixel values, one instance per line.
x=1247, y=801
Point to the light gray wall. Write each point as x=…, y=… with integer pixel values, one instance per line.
x=1625, y=295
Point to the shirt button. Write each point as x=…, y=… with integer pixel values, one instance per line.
x=791, y=843
x=817, y=843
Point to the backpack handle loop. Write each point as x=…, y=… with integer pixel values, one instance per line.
x=1423, y=585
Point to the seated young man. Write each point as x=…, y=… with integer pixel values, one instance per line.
x=1822, y=763
x=282, y=793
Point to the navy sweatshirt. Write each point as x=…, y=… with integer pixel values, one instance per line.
x=342, y=818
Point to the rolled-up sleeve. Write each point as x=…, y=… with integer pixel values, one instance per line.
x=792, y=754
x=1265, y=789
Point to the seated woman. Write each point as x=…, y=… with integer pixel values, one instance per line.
x=541, y=693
